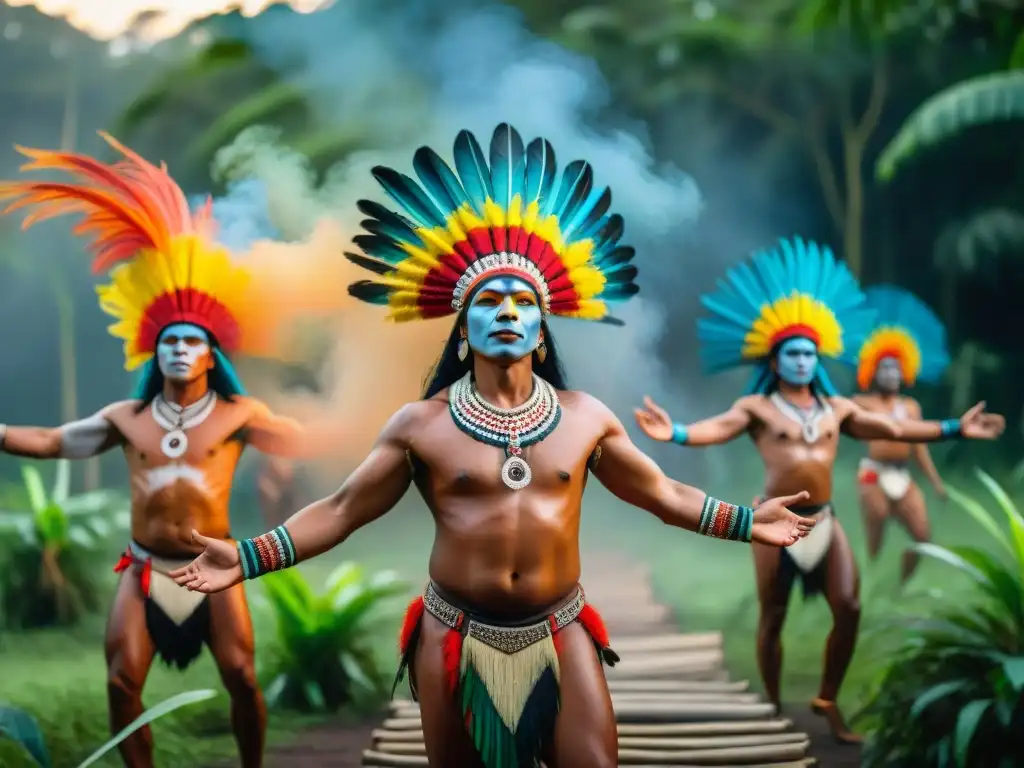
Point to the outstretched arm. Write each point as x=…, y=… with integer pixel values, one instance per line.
x=80, y=439
x=658, y=425
x=370, y=492
x=278, y=435
x=862, y=424
x=921, y=453
x=634, y=477
x=976, y=424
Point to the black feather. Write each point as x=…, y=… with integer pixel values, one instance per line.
x=378, y=267
x=407, y=193
x=381, y=248
x=370, y=292
x=438, y=180
x=592, y=216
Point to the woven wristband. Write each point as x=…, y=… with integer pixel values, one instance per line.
x=679, y=434
x=721, y=520
x=950, y=429
x=269, y=552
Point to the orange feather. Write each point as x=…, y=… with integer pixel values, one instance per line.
x=127, y=206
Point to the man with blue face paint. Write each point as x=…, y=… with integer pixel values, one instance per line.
x=503, y=649
x=181, y=306
x=781, y=312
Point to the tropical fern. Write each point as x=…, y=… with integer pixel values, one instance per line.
x=969, y=104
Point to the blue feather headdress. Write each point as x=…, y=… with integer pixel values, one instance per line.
x=508, y=213
x=798, y=289
x=906, y=329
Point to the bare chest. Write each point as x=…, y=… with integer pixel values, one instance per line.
x=211, y=448
x=783, y=427
x=448, y=462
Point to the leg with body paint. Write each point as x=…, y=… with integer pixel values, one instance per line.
x=913, y=515
x=875, y=508
x=842, y=591
x=129, y=652
x=232, y=644
x=445, y=736
x=773, y=590
x=585, y=733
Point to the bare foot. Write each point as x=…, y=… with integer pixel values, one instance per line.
x=840, y=731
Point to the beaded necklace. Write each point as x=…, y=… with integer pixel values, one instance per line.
x=175, y=420
x=510, y=428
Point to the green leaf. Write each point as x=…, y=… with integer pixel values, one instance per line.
x=981, y=516
x=62, y=483
x=154, y=713
x=20, y=727
x=935, y=693
x=1017, y=57
x=1002, y=582
x=1013, y=668
x=972, y=103
x=966, y=726
x=1012, y=515
x=945, y=555
x=260, y=107
x=34, y=488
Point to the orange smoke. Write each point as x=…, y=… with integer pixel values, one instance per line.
x=151, y=20
x=375, y=366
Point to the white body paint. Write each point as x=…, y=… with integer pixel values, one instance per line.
x=164, y=477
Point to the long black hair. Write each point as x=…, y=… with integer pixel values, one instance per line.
x=448, y=369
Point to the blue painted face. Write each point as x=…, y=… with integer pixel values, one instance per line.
x=183, y=353
x=797, y=361
x=503, y=320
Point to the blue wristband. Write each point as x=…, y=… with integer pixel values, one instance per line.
x=679, y=434
x=949, y=428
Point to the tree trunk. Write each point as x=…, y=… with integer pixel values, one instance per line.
x=853, y=228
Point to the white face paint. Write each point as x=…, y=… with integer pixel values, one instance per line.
x=183, y=352
x=889, y=375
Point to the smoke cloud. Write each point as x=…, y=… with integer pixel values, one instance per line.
x=406, y=80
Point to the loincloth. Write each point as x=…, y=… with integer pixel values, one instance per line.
x=504, y=677
x=178, y=620
x=808, y=556
x=892, y=477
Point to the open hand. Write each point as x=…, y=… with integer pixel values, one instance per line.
x=976, y=424
x=216, y=569
x=776, y=526
x=654, y=421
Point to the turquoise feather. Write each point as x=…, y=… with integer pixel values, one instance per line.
x=508, y=165
x=439, y=182
x=472, y=169
x=408, y=194
x=380, y=248
x=540, y=171
x=372, y=265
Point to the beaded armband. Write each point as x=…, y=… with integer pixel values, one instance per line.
x=721, y=520
x=950, y=429
x=269, y=552
x=679, y=434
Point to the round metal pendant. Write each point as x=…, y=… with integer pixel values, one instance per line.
x=515, y=473
x=811, y=432
x=174, y=444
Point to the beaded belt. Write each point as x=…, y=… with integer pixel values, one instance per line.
x=505, y=639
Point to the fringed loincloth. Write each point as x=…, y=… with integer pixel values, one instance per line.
x=178, y=620
x=505, y=678
x=808, y=557
x=893, y=477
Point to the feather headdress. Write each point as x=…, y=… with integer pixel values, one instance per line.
x=906, y=329
x=798, y=289
x=164, y=264
x=512, y=215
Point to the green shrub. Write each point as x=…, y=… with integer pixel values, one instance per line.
x=48, y=552
x=323, y=656
x=22, y=728
x=952, y=692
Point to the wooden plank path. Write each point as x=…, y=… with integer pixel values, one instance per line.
x=673, y=699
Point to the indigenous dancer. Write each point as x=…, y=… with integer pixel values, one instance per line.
x=780, y=313
x=177, y=297
x=907, y=345
x=504, y=650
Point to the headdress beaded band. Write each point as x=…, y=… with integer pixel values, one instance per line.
x=272, y=551
x=722, y=520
